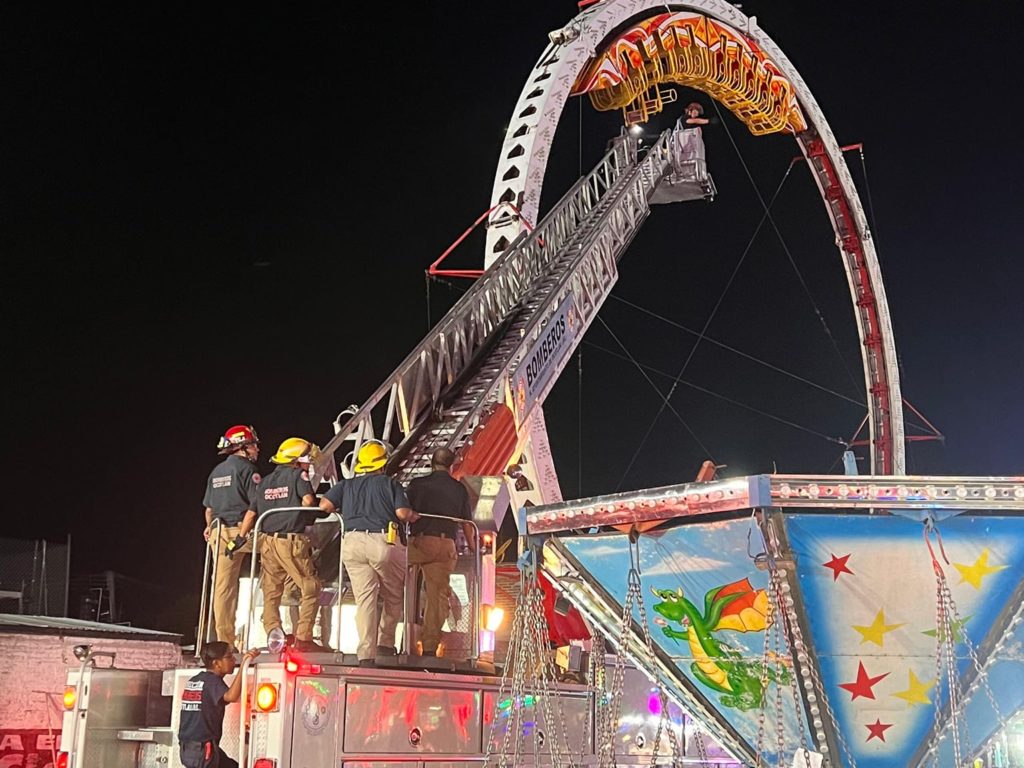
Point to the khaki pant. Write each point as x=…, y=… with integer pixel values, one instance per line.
x=225, y=584
x=375, y=568
x=284, y=559
x=436, y=558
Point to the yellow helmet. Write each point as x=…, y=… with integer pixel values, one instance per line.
x=295, y=449
x=372, y=456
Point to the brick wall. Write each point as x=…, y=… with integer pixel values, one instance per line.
x=32, y=666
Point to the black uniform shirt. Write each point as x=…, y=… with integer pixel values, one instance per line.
x=285, y=487
x=368, y=502
x=231, y=489
x=202, y=708
x=438, y=494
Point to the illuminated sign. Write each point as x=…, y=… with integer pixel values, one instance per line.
x=692, y=50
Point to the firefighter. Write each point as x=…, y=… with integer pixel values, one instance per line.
x=231, y=498
x=285, y=549
x=372, y=506
x=203, y=701
x=432, y=543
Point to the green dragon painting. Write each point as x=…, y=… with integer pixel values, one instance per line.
x=737, y=607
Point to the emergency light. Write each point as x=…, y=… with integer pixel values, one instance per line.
x=70, y=697
x=266, y=697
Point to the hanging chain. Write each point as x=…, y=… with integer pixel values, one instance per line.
x=530, y=661
x=947, y=625
x=702, y=749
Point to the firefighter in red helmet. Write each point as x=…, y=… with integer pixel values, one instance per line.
x=231, y=499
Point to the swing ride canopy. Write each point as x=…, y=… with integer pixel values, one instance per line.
x=855, y=669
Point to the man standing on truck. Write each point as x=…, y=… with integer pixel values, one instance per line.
x=231, y=498
x=372, y=506
x=285, y=548
x=432, y=544
x=203, y=703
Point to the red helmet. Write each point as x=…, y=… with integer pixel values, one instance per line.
x=237, y=437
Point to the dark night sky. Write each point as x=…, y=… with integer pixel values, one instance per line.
x=212, y=218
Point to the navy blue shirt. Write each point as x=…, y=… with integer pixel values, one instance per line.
x=231, y=489
x=368, y=502
x=285, y=487
x=202, y=708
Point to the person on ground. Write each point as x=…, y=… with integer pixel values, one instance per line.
x=231, y=499
x=373, y=506
x=286, y=553
x=432, y=541
x=203, y=703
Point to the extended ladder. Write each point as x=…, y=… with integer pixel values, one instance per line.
x=441, y=391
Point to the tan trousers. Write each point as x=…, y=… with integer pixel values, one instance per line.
x=225, y=585
x=375, y=568
x=436, y=558
x=284, y=559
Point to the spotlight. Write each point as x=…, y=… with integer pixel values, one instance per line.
x=82, y=652
x=563, y=35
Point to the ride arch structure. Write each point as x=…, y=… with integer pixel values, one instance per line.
x=621, y=53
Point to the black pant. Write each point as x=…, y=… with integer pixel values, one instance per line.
x=198, y=754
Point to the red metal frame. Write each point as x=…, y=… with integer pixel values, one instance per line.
x=846, y=229
x=433, y=271
x=935, y=436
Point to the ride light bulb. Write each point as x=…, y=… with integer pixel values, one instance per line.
x=70, y=697
x=266, y=697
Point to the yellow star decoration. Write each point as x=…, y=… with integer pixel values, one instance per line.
x=973, y=574
x=876, y=632
x=917, y=692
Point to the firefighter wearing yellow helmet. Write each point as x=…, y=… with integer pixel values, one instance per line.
x=285, y=549
x=373, y=506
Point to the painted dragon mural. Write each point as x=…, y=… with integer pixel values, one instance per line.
x=735, y=607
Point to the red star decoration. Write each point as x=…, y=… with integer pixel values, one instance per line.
x=838, y=565
x=877, y=730
x=861, y=687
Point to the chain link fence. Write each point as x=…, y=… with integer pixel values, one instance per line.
x=34, y=576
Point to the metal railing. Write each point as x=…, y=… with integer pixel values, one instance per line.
x=212, y=553
x=474, y=597
x=255, y=556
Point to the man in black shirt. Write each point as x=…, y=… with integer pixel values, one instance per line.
x=231, y=498
x=372, y=505
x=202, y=708
x=432, y=546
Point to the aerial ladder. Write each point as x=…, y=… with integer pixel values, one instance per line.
x=454, y=383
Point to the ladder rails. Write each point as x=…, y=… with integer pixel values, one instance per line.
x=436, y=396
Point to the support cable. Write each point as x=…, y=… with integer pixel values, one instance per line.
x=785, y=247
x=871, y=205
x=740, y=352
x=725, y=398
x=664, y=400
x=707, y=323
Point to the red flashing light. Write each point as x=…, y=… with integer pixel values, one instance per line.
x=265, y=762
x=291, y=665
x=62, y=760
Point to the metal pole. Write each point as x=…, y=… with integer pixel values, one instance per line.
x=209, y=568
x=67, y=577
x=341, y=580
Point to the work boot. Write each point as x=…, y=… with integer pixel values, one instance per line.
x=367, y=663
x=387, y=650
x=308, y=646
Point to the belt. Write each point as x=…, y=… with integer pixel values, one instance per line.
x=435, y=535
x=366, y=530
x=285, y=535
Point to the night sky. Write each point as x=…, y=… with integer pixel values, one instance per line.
x=215, y=218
